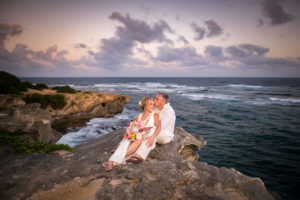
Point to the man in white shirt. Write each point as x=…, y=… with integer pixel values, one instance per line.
x=167, y=118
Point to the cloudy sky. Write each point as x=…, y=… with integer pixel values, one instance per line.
x=198, y=38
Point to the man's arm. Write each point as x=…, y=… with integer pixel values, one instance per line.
x=168, y=121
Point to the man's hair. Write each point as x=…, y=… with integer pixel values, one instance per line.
x=164, y=96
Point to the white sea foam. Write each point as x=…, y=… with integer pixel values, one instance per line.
x=241, y=86
x=292, y=100
x=97, y=127
x=202, y=96
x=140, y=87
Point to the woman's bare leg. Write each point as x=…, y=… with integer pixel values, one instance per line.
x=133, y=147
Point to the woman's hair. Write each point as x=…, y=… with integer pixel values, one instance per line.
x=144, y=102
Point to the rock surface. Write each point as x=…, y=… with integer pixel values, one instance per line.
x=47, y=125
x=170, y=172
x=31, y=119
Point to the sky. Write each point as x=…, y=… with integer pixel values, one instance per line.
x=154, y=38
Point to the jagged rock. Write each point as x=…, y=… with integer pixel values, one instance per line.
x=170, y=172
x=10, y=101
x=83, y=106
x=47, y=125
x=33, y=120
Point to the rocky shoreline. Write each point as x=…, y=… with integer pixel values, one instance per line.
x=171, y=172
x=48, y=124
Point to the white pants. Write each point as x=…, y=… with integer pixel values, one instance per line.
x=163, y=138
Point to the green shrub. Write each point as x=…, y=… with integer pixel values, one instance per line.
x=10, y=84
x=27, y=84
x=13, y=139
x=56, y=101
x=64, y=89
x=39, y=86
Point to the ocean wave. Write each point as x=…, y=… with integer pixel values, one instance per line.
x=97, y=127
x=292, y=100
x=144, y=87
x=210, y=96
x=241, y=86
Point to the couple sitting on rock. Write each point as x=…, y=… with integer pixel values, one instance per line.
x=154, y=125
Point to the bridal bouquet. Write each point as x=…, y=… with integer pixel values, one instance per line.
x=132, y=131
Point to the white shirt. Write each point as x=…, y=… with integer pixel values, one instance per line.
x=167, y=119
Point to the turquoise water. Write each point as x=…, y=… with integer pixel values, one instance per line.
x=250, y=124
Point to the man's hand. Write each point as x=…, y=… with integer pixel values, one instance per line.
x=150, y=141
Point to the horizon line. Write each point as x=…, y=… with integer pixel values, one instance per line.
x=158, y=77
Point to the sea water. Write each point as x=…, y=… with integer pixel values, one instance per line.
x=250, y=124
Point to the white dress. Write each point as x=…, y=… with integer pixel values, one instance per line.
x=143, y=150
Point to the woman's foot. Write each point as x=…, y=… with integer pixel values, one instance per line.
x=134, y=159
x=108, y=165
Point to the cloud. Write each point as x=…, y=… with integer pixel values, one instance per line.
x=213, y=28
x=21, y=60
x=240, y=56
x=117, y=50
x=7, y=30
x=183, y=39
x=260, y=22
x=213, y=51
x=275, y=12
x=137, y=30
x=245, y=50
x=186, y=56
x=199, y=31
x=80, y=46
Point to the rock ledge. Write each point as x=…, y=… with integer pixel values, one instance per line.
x=170, y=172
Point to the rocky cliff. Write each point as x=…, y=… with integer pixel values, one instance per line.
x=48, y=124
x=170, y=172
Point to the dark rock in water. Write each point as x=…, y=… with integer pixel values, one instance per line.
x=170, y=172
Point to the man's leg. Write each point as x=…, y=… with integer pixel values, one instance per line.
x=162, y=138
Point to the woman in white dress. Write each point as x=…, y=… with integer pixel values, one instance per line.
x=137, y=142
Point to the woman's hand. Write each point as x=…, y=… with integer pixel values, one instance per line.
x=150, y=141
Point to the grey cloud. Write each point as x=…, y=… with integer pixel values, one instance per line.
x=47, y=55
x=235, y=51
x=213, y=51
x=254, y=49
x=24, y=61
x=260, y=22
x=199, y=31
x=275, y=12
x=81, y=45
x=137, y=30
x=244, y=50
x=9, y=30
x=186, y=56
x=116, y=51
x=213, y=28
x=183, y=39
x=271, y=62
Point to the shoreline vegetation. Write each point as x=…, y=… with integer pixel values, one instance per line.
x=13, y=140
x=40, y=115
x=10, y=84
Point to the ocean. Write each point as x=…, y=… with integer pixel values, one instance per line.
x=250, y=124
